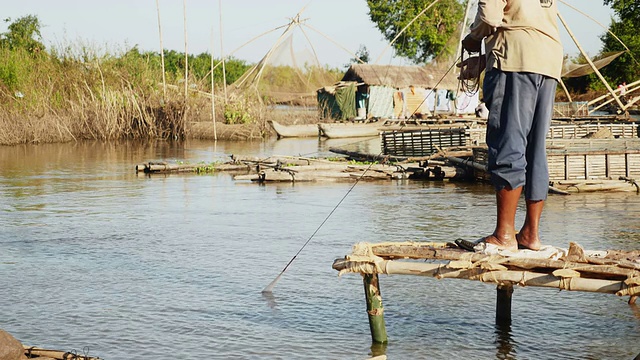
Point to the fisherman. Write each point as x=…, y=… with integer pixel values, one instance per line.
x=523, y=62
x=623, y=92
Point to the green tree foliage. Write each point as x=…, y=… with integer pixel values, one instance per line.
x=362, y=54
x=24, y=33
x=428, y=36
x=626, y=68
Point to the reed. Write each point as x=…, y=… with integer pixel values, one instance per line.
x=77, y=92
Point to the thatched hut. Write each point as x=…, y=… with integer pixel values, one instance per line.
x=391, y=91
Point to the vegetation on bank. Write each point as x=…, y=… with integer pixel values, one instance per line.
x=73, y=93
x=58, y=95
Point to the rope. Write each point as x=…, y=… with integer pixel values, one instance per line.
x=470, y=86
x=632, y=181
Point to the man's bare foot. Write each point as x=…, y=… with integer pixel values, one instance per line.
x=528, y=242
x=506, y=243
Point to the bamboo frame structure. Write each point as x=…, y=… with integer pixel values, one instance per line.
x=595, y=69
x=611, y=272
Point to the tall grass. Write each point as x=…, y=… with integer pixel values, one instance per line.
x=75, y=94
x=57, y=98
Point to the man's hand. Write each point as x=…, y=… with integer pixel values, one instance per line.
x=471, y=45
x=472, y=67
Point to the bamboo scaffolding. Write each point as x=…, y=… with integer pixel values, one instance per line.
x=595, y=69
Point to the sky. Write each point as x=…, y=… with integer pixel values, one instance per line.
x=334, y=28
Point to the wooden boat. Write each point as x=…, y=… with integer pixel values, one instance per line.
x=302, y=130
x=346, y=130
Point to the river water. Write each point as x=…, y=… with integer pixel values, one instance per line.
x=96, y=258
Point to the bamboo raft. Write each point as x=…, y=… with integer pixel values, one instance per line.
x=32, y=352
x=575, y=165
x=611, y=272
x=300, y=169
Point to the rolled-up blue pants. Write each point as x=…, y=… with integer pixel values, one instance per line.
x=520, y=108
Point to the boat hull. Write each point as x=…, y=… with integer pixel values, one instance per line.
x=304, y=130
x=346, y=130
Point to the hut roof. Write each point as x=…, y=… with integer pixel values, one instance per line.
x=400, y=76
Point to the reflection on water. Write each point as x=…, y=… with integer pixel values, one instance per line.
x=505, y=344
x=95, y=255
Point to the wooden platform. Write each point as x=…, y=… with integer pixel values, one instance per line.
x=611, y=272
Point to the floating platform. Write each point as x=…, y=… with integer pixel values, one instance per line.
x=424, y=141
x=610, y=272
x=584, y=165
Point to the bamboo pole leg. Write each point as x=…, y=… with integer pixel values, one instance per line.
x=503, y=304
x=375, y=310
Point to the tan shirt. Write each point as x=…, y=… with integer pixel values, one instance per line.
x=520, y=35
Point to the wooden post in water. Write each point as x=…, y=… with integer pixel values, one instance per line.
x=503, y=304
x=375, y=311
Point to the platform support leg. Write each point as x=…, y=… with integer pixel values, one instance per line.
x=374, y=308
x=503, y=304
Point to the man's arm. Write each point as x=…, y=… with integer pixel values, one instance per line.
x=488, y=19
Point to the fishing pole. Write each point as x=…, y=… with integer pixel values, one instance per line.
x=269, y=288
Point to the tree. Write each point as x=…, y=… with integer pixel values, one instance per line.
x=362, y=54
x=23, y=33
x=627, y=67
x=425, y=38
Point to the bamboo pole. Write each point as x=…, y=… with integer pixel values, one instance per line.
x=224, y=71
x=591, y=102
x=595, y=69
x=629, y=91
x=522, y=278
x=566, y=91
x=404, y=29
x=504, y=294
x=37, y=352
x=334, y=42
x=213, y=98
x=164, y=80
x=463, y=28
x=167, y=168
x=607, y=29
x=441, y=251
x=375, y=310
x=469, y=163
x=186, y=63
